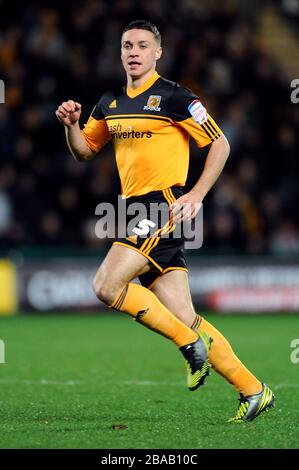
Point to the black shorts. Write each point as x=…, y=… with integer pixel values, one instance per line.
x=153, y=234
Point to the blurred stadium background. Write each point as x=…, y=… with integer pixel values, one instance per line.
x=67, y=378
x=240, y=57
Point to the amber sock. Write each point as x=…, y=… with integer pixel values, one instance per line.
x=145, y=307
x=225, y=362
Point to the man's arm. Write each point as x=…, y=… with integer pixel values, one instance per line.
x=189, y=114
x=77, y=144
x=68, y=113
x=215, y=161
x=187, y=206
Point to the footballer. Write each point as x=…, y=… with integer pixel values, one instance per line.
x=150, y=121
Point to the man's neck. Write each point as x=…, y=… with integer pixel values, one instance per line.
x=136, y=82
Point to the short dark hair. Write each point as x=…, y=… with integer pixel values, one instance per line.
x=144, y=24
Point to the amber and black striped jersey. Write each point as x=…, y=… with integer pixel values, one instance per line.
x=150, y=128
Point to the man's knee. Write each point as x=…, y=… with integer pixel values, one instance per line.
x=105, y=290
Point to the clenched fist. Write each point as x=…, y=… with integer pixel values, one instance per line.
x=69, y=112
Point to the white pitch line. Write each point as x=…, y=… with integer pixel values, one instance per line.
x=150, y=382
x=141, y=383
x=179, y=384
x=41, y=382
x=285, y=385
x=76, y=382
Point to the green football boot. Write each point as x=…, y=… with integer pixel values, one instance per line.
x=197, y=362
x=250, y=407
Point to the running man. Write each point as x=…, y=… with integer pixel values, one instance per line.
x=150, y=121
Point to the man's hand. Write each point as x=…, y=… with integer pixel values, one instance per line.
x=68, y=113
x=185, y=207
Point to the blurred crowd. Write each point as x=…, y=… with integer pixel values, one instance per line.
x=51, y=52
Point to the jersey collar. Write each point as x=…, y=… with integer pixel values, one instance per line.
x=132, y=93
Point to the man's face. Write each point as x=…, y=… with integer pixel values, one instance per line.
x=139, y=52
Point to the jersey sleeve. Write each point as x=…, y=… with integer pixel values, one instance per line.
x=190, y=114
x=95, y=131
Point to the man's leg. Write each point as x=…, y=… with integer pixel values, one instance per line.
x=112, y=285
x=172, y=289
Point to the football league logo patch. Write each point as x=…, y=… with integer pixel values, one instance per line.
x=153, y=103
x=198, y=112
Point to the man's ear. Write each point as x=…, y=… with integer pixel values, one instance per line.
x=158, y=53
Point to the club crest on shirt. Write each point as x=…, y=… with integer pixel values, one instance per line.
x=153, y=103
x=198, y=112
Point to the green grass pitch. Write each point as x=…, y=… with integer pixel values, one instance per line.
x=73, y=381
